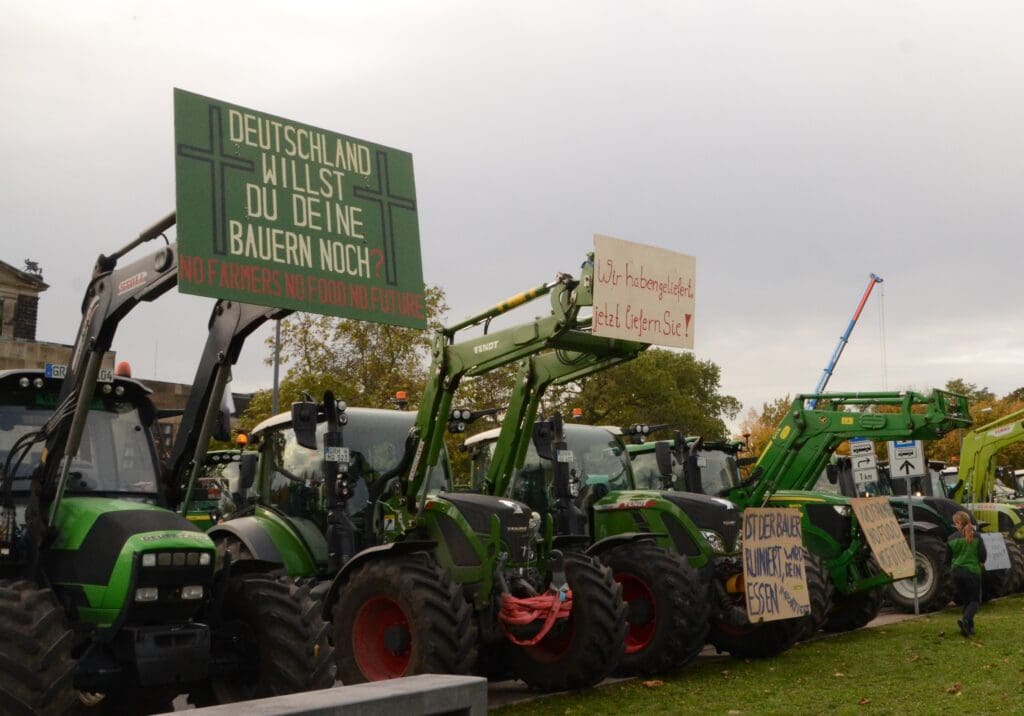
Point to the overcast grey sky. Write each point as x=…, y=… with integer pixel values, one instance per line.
x=793, y=148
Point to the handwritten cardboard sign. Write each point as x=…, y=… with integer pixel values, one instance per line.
x=643, y=293
x=773, y=564
x=995, y=551
x=884, y=536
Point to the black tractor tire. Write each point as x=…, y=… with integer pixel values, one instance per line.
x=852, y=611
x=934, y=578
x=667, y=608
x=820, y=592
x=1017, y=560
x=289, y=637
x=401, y=616
x=36, y=668
x=588, y=646
x=768, y=639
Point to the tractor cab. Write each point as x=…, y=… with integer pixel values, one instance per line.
x=117, y=457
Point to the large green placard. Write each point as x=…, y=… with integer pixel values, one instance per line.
x=278, y=213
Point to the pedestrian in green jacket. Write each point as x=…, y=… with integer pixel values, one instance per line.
x=967, y=555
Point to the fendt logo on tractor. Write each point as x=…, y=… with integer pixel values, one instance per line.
x=484, y=347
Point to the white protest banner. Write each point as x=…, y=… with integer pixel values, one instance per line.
x=773, y=564
x=884, y=536
x=643, y=293
x=995, y=550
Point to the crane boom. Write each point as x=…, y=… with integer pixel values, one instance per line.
x=843, y=340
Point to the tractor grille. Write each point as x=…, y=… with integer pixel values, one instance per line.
x=513, y=516
x=826, y=518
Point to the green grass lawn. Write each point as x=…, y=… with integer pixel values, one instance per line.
x=919, y=666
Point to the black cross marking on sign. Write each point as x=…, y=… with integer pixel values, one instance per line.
x=213, y=154
x=388, y=202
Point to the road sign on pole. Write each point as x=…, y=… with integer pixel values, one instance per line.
x=863, y=464
x=278, y=213
x=906, y=459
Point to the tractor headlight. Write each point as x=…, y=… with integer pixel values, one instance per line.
x=147, y=594
x=38, y=382
x=534, y=525
x=149, y=560
x=204, y=559
x=192, y=591
x=843, y=510
x=106, y=389
x=24, y=382
x=714, y=539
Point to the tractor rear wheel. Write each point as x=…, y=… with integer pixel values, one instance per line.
x=401, y=616
x=767, y=639
x=667, y=608
x=852, y=611
x=284, y=634
x=36, y=668
x=1017, y=561
x=934, y=578
x=586, y=646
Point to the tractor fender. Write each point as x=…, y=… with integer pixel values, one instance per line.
x=382, y=551
x=249, y=532
x=603, y=545
x=924, y=528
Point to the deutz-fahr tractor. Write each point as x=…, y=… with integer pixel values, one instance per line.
x=422, y=579
x=676, y=554
x=107, y=600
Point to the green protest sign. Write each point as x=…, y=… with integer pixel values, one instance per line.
x=278, y=213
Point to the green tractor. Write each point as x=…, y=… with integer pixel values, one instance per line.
x=786, y=473
x=933, y=524
x=676, y=554
x=216, y=489
x=416, y=578
x=110, y=603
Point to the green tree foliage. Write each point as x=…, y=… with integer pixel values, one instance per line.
x=971, y=390
x=758, y=426
x=659, y=386
x=363, y=363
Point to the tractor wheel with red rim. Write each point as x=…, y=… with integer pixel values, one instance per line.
x=585, y=647
x=667, y=608
x=400, y=616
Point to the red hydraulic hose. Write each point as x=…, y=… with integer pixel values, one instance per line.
x=520, y=611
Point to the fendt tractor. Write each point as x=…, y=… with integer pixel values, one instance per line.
x=786, y=472
x=676, y=554
x=109, y=601
x=422, y=579
x=933, y=524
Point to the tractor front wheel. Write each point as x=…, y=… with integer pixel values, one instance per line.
x=667, y=608
x=401, y=616
x=934, y=579
x=275, y=624
x=586, y=646
x=36, y=668
x=767, y=639
x=852, y=611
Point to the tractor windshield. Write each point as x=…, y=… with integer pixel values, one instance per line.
x=719, y=471
x=115, y=455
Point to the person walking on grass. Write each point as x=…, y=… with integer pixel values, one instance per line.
x=967, y=554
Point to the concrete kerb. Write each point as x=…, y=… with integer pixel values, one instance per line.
x=422, y=695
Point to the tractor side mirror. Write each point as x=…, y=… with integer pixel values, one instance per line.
x=832, y=473
x=543, y=436
x=247, y=470
x=663, y=456
x=304, y=424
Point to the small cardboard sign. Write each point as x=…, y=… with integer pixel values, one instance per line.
x=884, y=536
x=643, y=293
x=773, y=564
x=995, y=551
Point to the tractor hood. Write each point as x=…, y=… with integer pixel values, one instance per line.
x=709, y=513
x=96, y=559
